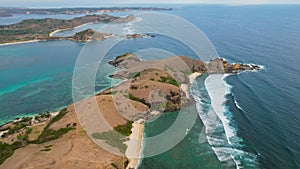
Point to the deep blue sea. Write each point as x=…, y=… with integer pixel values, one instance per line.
x=261, y=109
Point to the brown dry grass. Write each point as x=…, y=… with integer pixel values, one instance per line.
x=73, y=150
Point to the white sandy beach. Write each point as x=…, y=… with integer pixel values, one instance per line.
x=135, y=144
x=14, y=43
x=54, y=32
x=58, y=30
x=185, y=87
x=193, y=76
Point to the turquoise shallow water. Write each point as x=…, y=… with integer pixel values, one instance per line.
x=188, y=153
x=37, y=77
x=263, y=106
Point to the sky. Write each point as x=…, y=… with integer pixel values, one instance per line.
x=58, y=3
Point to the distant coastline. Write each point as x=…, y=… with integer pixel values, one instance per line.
x=20, y=42
x=7, y=12
x=43, y=29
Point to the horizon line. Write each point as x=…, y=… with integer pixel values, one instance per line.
x=149, y=3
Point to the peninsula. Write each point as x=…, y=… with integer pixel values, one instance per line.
x=41, y=29
x=149, y=88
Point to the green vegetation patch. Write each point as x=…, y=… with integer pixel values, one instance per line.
x=49, y=134
x=113, y=138
x=16, y=128
x=124, y=129
x=134, y=75
x=7, y=150
x=42, y=116
x=137, y=75
x=109, y=93
x=167, y=67
x=132, y=97
x=60, y=115
x=113, y=92
x=47, y=148
x=121, y=56
x=169, y=80
x=114, y=165
x=24, y=122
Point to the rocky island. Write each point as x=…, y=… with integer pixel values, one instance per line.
x=149, y=88
x=82, y=36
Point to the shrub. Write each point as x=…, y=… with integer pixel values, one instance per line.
x=120, y=56
x=124, y=129
x=49, y=134
x=60, y=115
x=169, y=80
x=7, y=150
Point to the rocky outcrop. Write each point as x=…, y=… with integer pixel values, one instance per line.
x=125, y=19
x=236, y=68
x=139, y=36
x=215, y=66
x=220, y=66
x=156, y=83
x=89, y=34
x=124, y=61
x=194, y=65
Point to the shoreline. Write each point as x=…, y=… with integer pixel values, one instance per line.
x=135, y=144
x=21, y=42
x=33, y=121
x=54, y=32
x=50, y=35
x=67, y=29
x=185, y=87
x=193, y=77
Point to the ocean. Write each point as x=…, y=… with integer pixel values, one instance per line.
x=257, y=113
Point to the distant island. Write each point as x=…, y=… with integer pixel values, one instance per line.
x=42, y=29
x=7, y=12
x=149, y=89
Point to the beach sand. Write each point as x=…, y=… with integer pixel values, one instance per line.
x=54, y=32
x=193, y=76
x=59, y=30
x=185, y=87
x=15, y=43
x=135, y=144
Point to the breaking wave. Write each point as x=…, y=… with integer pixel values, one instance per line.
x=220, y=129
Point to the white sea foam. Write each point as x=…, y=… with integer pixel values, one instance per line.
x=218, y=120
x=237, y=103
x=129, y=27
x=217, y=91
